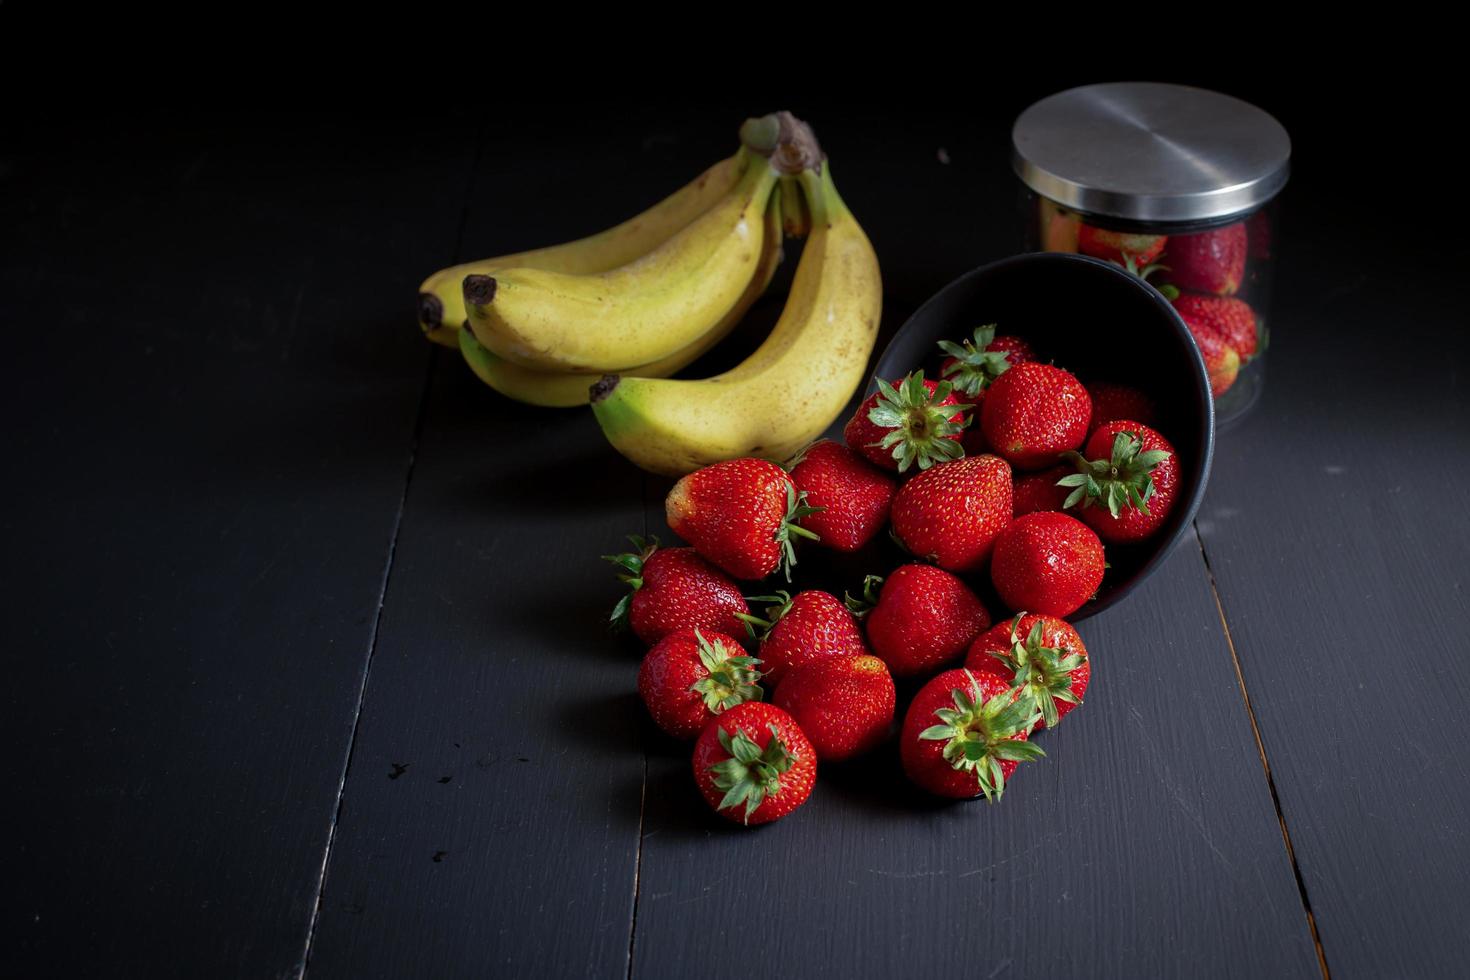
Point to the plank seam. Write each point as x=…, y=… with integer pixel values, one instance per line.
x=1301, y=885
x=637, y=867
x=643, y=789
x=321, y=888
x=413, y=454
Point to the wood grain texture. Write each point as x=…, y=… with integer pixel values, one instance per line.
x=206, y=465
x=1145, y=844
x=490, y=821
x=1337, y=530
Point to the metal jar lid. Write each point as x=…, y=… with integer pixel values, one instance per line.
x=1143, y=151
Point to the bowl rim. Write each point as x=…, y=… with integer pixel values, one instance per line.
x=1201, y=469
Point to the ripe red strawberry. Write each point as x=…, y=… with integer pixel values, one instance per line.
x=910, y=422
x=739, y=514
x=951, y=513
x=1232, y=319
x=1119, y=246
x=1222, y=362
x=1034, y=412
x=850, y=496
x=1039, y=491
x=1041, y=655
x=1208, y=262
x=1047, y=562
x=965, y=733
x=690, y=676
x=754, y=764
x=844, y=705
x=673, y=589
x=1126, y=481
x=974, y=364
x=1111, y=402
x=922, y=618
x=805, y=628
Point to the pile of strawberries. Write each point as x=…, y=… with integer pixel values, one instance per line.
x=1006, y=465
x=1201, y=274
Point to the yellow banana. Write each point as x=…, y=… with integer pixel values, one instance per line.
x=791, y=388
x=558, y=389
x=637, y=313
x=441, y=297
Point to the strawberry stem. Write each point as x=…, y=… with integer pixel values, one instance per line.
x=1123, y=481
x=751, y=774
x=730, y=680
x=920, y=430
x=1042, y=672
x=977, y=735
x=632, y=565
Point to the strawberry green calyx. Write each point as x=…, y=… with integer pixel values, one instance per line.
x=978, y=736
x=1042, y=672
x=632, y=565
x=751, y=773
x=1124, y=480
x=975, y=367
x=796, y=509
x=862, y=605
x=920, y=430
x=1170, y=291
x=731, y=680
x=759, y=628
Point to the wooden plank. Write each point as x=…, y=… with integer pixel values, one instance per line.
x=494, y=668
x=215, y=382
x=1337, y=529
x=490, y=819
x=1145, y=844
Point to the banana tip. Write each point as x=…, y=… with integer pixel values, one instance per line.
x=479, y=289
x=431, y=311
x=602, y=388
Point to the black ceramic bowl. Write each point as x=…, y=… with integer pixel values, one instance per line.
x=1102, y=324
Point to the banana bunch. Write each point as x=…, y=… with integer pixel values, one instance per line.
x=608, y=318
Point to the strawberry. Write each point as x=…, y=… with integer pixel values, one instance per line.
x=1046, y=562
x=1038, y=491
x=844, y=704
x=907, y=423
x=951, y=513
x=1222, y=362
x=673, y=589
x=1041, y=655
x=740, y=514
x=805, y=628
x=1119, y=246
x=1230, y=318
x=754, y=764
x=974, y=364
x=1126, y=481
x=1033, y=412
x=965, y=733
x=1111, y=402
x=850, y=497
x=922, y=618
x=1210, y=261
x=690, y=676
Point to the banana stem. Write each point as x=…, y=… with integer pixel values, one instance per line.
x=789, y=143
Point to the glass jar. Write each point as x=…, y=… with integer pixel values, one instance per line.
x=1180, y=186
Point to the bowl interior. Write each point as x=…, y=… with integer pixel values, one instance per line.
x=1102, y=324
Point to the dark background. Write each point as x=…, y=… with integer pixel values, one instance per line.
x=303, y=624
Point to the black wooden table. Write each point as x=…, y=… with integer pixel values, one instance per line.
x=304, y=626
